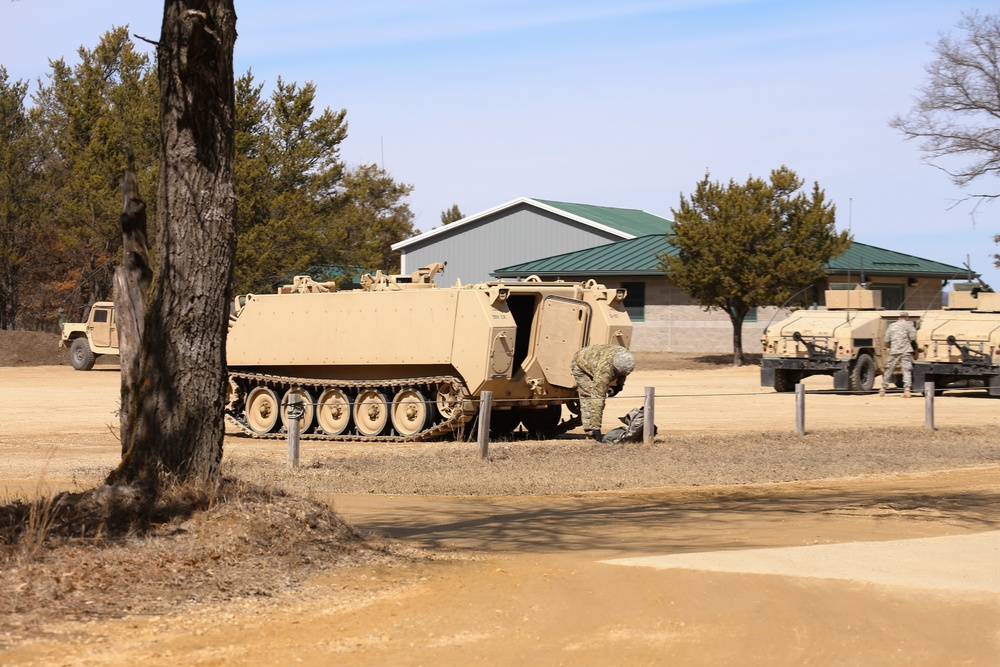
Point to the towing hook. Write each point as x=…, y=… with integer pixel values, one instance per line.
x=797, y=337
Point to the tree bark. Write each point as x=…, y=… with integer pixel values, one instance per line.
x=175, y=412
x=132, y=280
x=737, y=319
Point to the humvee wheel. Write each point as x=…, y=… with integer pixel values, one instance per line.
x=409, y=412
x=784, y=380
x=334, y=412
x=308, y=410
x=371, y=412
x=81, y=357
x=262, y=410
x=862, y=376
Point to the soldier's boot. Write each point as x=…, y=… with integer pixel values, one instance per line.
x=906, y=392
x=881, y=392
x=595, y=433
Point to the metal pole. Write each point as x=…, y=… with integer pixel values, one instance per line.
x=800, y=409
x=485, y=407
x=294, y=412
x=649, y=416
x=929, y=405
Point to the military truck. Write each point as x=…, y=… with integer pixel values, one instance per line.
x=846, y=341
x=960, y=344
x=89, y=340
x=402, y=359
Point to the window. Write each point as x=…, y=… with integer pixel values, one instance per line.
x=892, y=295
x=635, y=301
x=751, y=315
x=100, y=315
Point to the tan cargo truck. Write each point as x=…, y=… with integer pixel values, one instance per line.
x=88, y=340
x=404, y=359
x=846, y=341
x=960, y=344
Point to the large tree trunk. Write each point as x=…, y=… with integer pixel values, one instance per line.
x=737, y=317
x=176, y=408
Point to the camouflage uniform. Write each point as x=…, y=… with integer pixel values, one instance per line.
x=898, y=336
x=594, y=372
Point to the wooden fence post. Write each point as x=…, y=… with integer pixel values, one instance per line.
x=649, y=416
x=800, y=409
x=929, y=405
x=295, y=412
x=485, y=407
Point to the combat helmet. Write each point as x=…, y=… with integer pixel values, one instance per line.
x=623, y=362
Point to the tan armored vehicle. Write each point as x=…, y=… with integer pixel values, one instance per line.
x=960, y=345
x=404, y=359
x=846, y=341
x=88, y=340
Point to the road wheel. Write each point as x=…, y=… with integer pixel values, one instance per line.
x=262, y=410
x=409, y=412
x=80, y=355
x=334, y=412
x=503, y=423
x=371, y=412
x=308, y=410
x=784, y=381
x=862, y=376
x=541, y=424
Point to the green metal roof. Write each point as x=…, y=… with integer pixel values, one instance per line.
x=638, y=256
x=876, y=261
x=629, y=220
x=630, y=257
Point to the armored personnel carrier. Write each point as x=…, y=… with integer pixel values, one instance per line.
x=960, y=344
x=403, y=359
x=845, y=341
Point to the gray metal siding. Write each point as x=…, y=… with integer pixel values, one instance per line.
x=510, y=237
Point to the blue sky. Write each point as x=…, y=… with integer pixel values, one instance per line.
x=608, y=102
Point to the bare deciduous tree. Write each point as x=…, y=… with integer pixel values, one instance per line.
x=957, y=113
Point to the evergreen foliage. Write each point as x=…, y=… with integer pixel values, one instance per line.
x=451, y=215
x=745, y=245
x=61, y=162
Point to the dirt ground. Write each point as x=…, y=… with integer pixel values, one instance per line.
x=729, y=541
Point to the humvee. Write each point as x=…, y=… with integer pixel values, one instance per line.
x=91, y=339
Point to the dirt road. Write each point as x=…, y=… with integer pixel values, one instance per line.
x=885, y=569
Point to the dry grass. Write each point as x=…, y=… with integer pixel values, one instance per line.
x=104, y=554
x=580, y=465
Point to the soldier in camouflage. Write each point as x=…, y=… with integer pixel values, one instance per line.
x=600, y=371
x=898, y=337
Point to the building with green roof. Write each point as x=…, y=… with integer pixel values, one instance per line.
x=521, y=230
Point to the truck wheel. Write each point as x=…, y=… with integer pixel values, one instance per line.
x=862, y=376
x=784, y=381
x=80, y=355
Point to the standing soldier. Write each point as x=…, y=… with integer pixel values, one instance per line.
x=898, y=336
x=600, y=371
